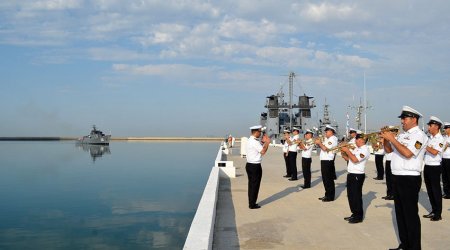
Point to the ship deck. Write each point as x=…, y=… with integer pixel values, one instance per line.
x=295, y=219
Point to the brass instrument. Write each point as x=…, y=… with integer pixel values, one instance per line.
x=374, y=137
x=446, y=146
x=311, y=141
x=342, y=145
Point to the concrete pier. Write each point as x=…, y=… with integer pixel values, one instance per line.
x=291, y=218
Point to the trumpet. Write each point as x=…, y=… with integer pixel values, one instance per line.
x=339, y=147
x=311, y=141
x=374, y=136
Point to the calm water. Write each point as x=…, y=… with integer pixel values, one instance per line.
x=142, y=195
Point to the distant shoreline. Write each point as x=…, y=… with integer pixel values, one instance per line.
x=44, y=138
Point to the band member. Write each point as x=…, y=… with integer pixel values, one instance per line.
x=255, y=151
x=352, y=134
x=446, y=162
x=287, y=134
x=306, y=148
x=378, y=150
x=292, y=153
x=408, y=152
x=389, y=192
x=357, y=159
x=327, y=162
x=433, y=168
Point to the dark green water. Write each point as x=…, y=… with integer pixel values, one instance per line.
x=142, y=195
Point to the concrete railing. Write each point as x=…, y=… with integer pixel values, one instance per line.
x=201, y=233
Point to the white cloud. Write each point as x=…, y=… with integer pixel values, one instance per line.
x=327, y=11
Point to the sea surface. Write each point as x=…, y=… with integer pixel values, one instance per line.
x=129, y=195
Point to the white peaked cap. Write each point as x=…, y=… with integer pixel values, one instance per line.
x=256, y=127
x=407, y=111
x=329, y=127
x=435, y=120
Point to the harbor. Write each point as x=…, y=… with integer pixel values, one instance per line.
x=293, y=218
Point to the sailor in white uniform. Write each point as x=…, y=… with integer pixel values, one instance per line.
x=389, y=192
x=255, y=151
x=446, y=162
x=287, y=134
x=307, y=147
x=433, y=168
x=327, y=162
x=357, y=159
x=407, y=159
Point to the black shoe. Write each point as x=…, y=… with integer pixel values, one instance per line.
x=390, y=198
x=436, y=218
x=321, y=198
x=430, y=215
x=327, y=200
x=304, y=187
x=354, y=220
x=348, y=218
x=292, y=179
x=398, y=248
x=286, y=176
x=378, y=179
x=256, y=206
x=446, y=196
x=385, y=197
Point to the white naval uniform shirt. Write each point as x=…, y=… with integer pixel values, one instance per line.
x=435, y=142
x=380, y=151
x=328, y=143
x=306, y=153
x=293, y=146
x=285, y=147
x=446, y=153
x=352, y=141
x=389, y=156
x=362, y=154
x=254, y=149
x=415, y=140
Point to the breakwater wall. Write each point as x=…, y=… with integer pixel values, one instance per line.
x=201, y=232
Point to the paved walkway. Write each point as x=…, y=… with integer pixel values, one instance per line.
x=295, y=219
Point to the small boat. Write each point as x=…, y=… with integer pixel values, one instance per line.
x=95, y=137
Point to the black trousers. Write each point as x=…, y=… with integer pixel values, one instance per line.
x=388, y=179
x=254, y=173
x=292, y=158
x=432, y=177
x=446, y=176
x=334, y=168
x=354, y=194
x=406, y=197
x=379, y=165
x=306, y=169
x=288, y=171
x=326, y=168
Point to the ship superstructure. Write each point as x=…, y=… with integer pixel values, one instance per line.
x=281, y=115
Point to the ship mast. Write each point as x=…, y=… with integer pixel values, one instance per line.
x=291, y=95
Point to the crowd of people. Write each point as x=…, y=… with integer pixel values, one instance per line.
x=408, y=154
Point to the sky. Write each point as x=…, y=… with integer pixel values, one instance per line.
x=205, y=68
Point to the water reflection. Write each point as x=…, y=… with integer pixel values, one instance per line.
x=95, y=151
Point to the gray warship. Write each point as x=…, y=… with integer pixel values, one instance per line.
x=281, y=115
x=96, y=137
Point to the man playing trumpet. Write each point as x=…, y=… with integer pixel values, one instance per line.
x=408, y=152
x=306, y=147
x=357, y=159
x=327, y=168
